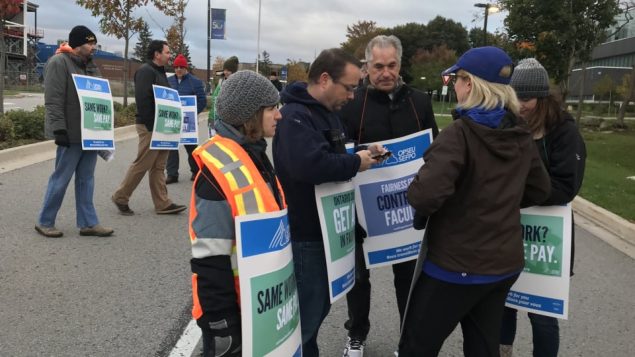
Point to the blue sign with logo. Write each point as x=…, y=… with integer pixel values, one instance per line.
x=218, y=24
x=92, y=84
x=264, y=235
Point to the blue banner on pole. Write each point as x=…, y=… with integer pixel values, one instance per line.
x=218, y=24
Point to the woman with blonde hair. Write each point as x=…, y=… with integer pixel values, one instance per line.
x=478, y=173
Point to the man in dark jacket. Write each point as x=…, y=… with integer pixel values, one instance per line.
x=187, y=84
x=152, y=161
x=308, y=149
x=384, y=108
x=63, y=123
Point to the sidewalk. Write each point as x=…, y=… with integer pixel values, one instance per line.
x=611, y=228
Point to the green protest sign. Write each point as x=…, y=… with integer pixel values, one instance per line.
x=97, y=113
x=339, y=214
x=275, y=309
x=542, y=237
x=168, y=119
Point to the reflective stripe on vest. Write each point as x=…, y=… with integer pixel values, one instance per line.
x=241, y=183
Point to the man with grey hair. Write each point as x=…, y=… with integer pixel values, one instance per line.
x=383, y=108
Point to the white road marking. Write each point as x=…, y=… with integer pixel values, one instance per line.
x=185, y=345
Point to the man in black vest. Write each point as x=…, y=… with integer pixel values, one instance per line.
x=383, y=108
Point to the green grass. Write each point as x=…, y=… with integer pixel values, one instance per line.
x=609, y=162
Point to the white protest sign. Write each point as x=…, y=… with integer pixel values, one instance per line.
x=189, y=128
x=97, y=112
x=543, y=286
x=382, y=205
x=270, y=314
x=336, y=210
x=166, y=134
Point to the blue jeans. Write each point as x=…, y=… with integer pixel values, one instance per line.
x=69, y=161
x=313, y=292
x=545, y=331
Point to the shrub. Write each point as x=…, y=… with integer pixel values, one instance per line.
x=125, y=116
x=7, y=132
x=28, y=125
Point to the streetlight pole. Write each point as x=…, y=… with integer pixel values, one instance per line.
x=209, y=40
x=488, y=8
x=258, y=46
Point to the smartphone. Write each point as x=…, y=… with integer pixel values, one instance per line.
x=383, y=156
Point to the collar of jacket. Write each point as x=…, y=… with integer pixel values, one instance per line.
x=399, y=91
x=158, y=68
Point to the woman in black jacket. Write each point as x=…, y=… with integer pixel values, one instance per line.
x=563, y=153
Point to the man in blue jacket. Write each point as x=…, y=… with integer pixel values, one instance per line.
x=308, y=149
x=187, y=84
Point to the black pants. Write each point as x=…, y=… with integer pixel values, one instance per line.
x=172, y=166
x=545, y=332
x=358, y=299
x=437, y=307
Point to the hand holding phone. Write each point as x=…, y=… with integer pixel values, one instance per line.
x=383, y=156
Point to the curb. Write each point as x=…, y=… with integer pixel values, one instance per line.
x=26, y=155
x=622, y=232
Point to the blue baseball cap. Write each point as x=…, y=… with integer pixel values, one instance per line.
x=484, y=62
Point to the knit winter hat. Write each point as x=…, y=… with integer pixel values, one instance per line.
x=530, y=79
x=180, y=61
x=80, y=35
x=242, y=94
x=231, y=64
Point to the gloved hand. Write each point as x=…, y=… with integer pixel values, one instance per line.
x=61, y=138
x=419, y=222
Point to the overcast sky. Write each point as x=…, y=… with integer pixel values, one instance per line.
x=295, y=29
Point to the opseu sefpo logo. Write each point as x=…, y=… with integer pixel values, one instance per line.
x=402, y=155
x=282, y=236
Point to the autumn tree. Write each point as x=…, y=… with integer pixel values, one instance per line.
x=8, y=9
x=427, y=65
x=218, y=63
x=358, y=35
x=175, y=33
x=560, y=33
x=297, y=71
x=143, y=42
x=117, y=19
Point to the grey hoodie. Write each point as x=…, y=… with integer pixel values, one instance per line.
x=61, y=103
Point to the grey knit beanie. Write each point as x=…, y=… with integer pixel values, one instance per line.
x=242, y=94
x=530, y=79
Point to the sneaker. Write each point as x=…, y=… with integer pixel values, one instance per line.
x=354, y=348
x=171, y=179
x=96, y=230
x=124, y=209
x=49, y=232
x=172, y=209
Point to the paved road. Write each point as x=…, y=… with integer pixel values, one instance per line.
x=129, y=295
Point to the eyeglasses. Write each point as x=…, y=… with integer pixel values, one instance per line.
x=349, y=88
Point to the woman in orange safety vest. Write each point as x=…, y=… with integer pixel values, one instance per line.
x=235, y=178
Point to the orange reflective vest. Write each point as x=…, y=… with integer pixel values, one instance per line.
x=243, y=186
